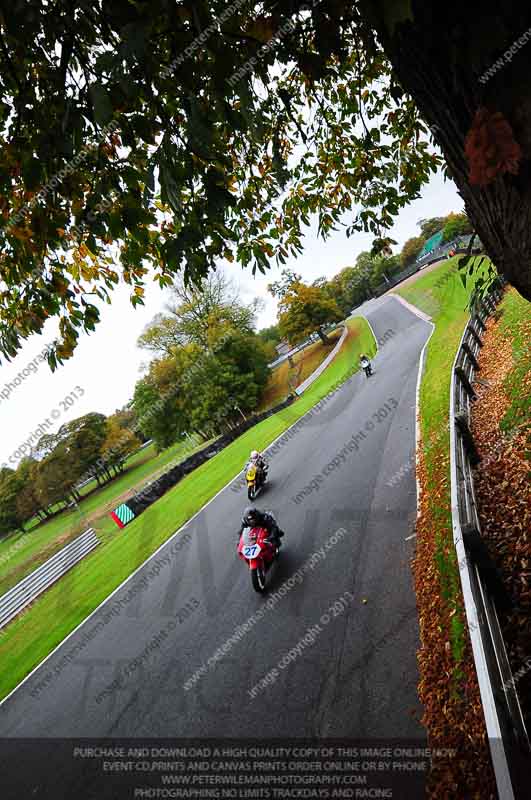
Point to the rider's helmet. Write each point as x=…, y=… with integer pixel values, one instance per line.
x=254, y=455
x=251, y=516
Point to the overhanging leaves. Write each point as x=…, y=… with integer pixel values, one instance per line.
x=146, y=101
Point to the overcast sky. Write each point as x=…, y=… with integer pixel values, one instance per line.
x=107, y=363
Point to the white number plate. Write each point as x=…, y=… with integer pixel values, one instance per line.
x=251, y=550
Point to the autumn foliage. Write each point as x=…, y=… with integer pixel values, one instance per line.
x=453, y=714
x=305, y=310
x=503, y=492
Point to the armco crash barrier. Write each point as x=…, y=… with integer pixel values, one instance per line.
x=127, y=511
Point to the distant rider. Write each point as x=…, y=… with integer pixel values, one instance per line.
x=258, y=461
x=253, y=518
x=365, y=364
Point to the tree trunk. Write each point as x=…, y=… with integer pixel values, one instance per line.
x=438, y=56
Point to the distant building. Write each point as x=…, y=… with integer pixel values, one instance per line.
x=431, y=244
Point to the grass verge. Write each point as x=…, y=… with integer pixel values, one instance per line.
x=35, y=633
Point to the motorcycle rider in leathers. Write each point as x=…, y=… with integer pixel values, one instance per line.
x=253, y=518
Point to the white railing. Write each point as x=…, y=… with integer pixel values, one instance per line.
x=17, y=598
x=302, y=346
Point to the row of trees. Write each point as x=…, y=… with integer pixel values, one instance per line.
x=210, y=367
x=90, y=446
x=305, y=309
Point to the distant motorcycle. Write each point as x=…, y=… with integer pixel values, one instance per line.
x=256, y=549
x=366, y=366
x=256, y=479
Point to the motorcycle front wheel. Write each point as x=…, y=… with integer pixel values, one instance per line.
x=258, y=579
x=251, y=492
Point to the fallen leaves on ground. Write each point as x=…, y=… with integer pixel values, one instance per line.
x=503, y=494
x=453, y=714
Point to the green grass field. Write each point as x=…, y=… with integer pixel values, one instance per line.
x=141, y=466
x=29, y=638
x=441, y=295
x=20, y=553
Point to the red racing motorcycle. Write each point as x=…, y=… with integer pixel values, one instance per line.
x=255, y=548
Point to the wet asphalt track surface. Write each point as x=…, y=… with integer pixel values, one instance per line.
x=357, y=678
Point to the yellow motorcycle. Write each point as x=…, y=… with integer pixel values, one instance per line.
x=255, y=480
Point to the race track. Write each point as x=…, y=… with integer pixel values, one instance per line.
x=354, y=676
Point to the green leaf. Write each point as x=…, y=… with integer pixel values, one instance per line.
x=132, y=216
x=150, y=178
x=101, y=103
x=134, y=41
x=32, y=172
x=106, y=62
x=115, y=224
x=144, y=128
